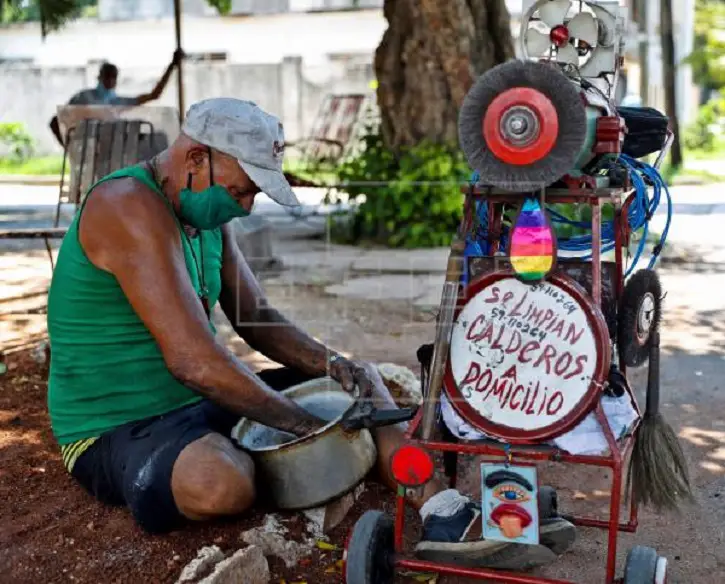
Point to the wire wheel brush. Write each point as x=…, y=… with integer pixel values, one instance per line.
x=522, y=125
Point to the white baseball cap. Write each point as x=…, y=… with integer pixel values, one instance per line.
x=243, y=130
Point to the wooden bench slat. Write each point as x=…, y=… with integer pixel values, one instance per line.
x=130, y=154
x=106, y=131
x=119, y=145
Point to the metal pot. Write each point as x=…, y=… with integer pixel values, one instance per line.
x=310, y=471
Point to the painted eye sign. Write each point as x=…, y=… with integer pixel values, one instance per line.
x=510, y=503
x=509, y=487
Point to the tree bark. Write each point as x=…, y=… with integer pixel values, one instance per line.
x=670, y=74
x=429, y=57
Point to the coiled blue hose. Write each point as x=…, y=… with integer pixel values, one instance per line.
x=639, y=214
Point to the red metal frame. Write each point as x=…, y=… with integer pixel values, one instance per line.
x=527, y=453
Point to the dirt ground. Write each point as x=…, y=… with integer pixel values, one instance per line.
x=51, y=531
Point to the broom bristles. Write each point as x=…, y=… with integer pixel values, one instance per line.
x=658, y=473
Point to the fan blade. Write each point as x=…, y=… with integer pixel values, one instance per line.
x=584, y=27
x=554, y=12
x=537, y=43
x=568, y=54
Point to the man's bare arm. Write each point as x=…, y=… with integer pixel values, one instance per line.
x=258, y=323
x=156, y=92
x=141, y=247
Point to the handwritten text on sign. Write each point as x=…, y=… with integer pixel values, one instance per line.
x=523, y=356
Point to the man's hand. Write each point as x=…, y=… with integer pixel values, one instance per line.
x=351, y=374
x=178, y=57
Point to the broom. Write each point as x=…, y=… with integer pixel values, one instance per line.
x=658, y=474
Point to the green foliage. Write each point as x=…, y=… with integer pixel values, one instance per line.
x=708, y=56
x=709, y=125
x=222, y=6
x=410, y=200
x=40, y=166
x=52, y=14
x=16, y=141
x=579, y=213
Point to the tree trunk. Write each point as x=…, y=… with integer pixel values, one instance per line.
x=670, y=74
x=429, y=56
x=643, y=27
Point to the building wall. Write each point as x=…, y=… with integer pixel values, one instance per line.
x=335, y=48
x=291, y=89
x=261, y=39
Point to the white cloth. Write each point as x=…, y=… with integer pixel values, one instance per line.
x=587, y=438
x=443, y=504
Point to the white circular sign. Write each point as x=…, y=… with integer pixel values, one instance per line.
x=523, y=355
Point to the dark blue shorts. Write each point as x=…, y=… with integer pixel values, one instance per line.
x=131, y=465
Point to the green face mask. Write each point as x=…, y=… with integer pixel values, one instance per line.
x=210, y=208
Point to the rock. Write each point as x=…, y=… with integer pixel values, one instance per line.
x=322, y=520
x=206, y=559
x=270, y=539
x=402, y=383
x=41, y=353
x=246, y=566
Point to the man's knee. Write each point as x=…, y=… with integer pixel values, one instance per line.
x=212, y=478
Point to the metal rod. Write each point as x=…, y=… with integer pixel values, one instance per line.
x=414, y=424
x=179, y=66
x=444, y=328
x=68, y=135
x=476, y=573
x=616, y=496
x=495, y=231
x=596, y=253
x=619, y=219
x=50, y=253
x=629, y=527
x=665, y=150
x=518, y=452
x=400, y=503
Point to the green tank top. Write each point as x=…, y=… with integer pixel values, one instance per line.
x=106, y=368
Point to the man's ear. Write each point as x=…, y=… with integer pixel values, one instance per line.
x=196, y=159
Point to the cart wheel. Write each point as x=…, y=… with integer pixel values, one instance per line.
x=645, y=567
x=369, y=551
x=548, y=502
x=639, y=316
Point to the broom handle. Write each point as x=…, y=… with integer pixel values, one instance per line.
x=653, y=377
x=443, y=336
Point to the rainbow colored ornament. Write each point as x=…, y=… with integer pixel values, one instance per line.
x=533, y=247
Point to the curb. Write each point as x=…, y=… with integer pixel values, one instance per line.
x=30, y=180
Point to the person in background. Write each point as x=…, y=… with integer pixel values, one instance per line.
x=105, y=92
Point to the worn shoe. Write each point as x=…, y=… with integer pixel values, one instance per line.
x=457, y=540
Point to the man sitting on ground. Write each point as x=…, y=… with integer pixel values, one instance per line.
x=142, y=395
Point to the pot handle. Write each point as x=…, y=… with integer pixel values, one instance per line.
x=365, y=415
